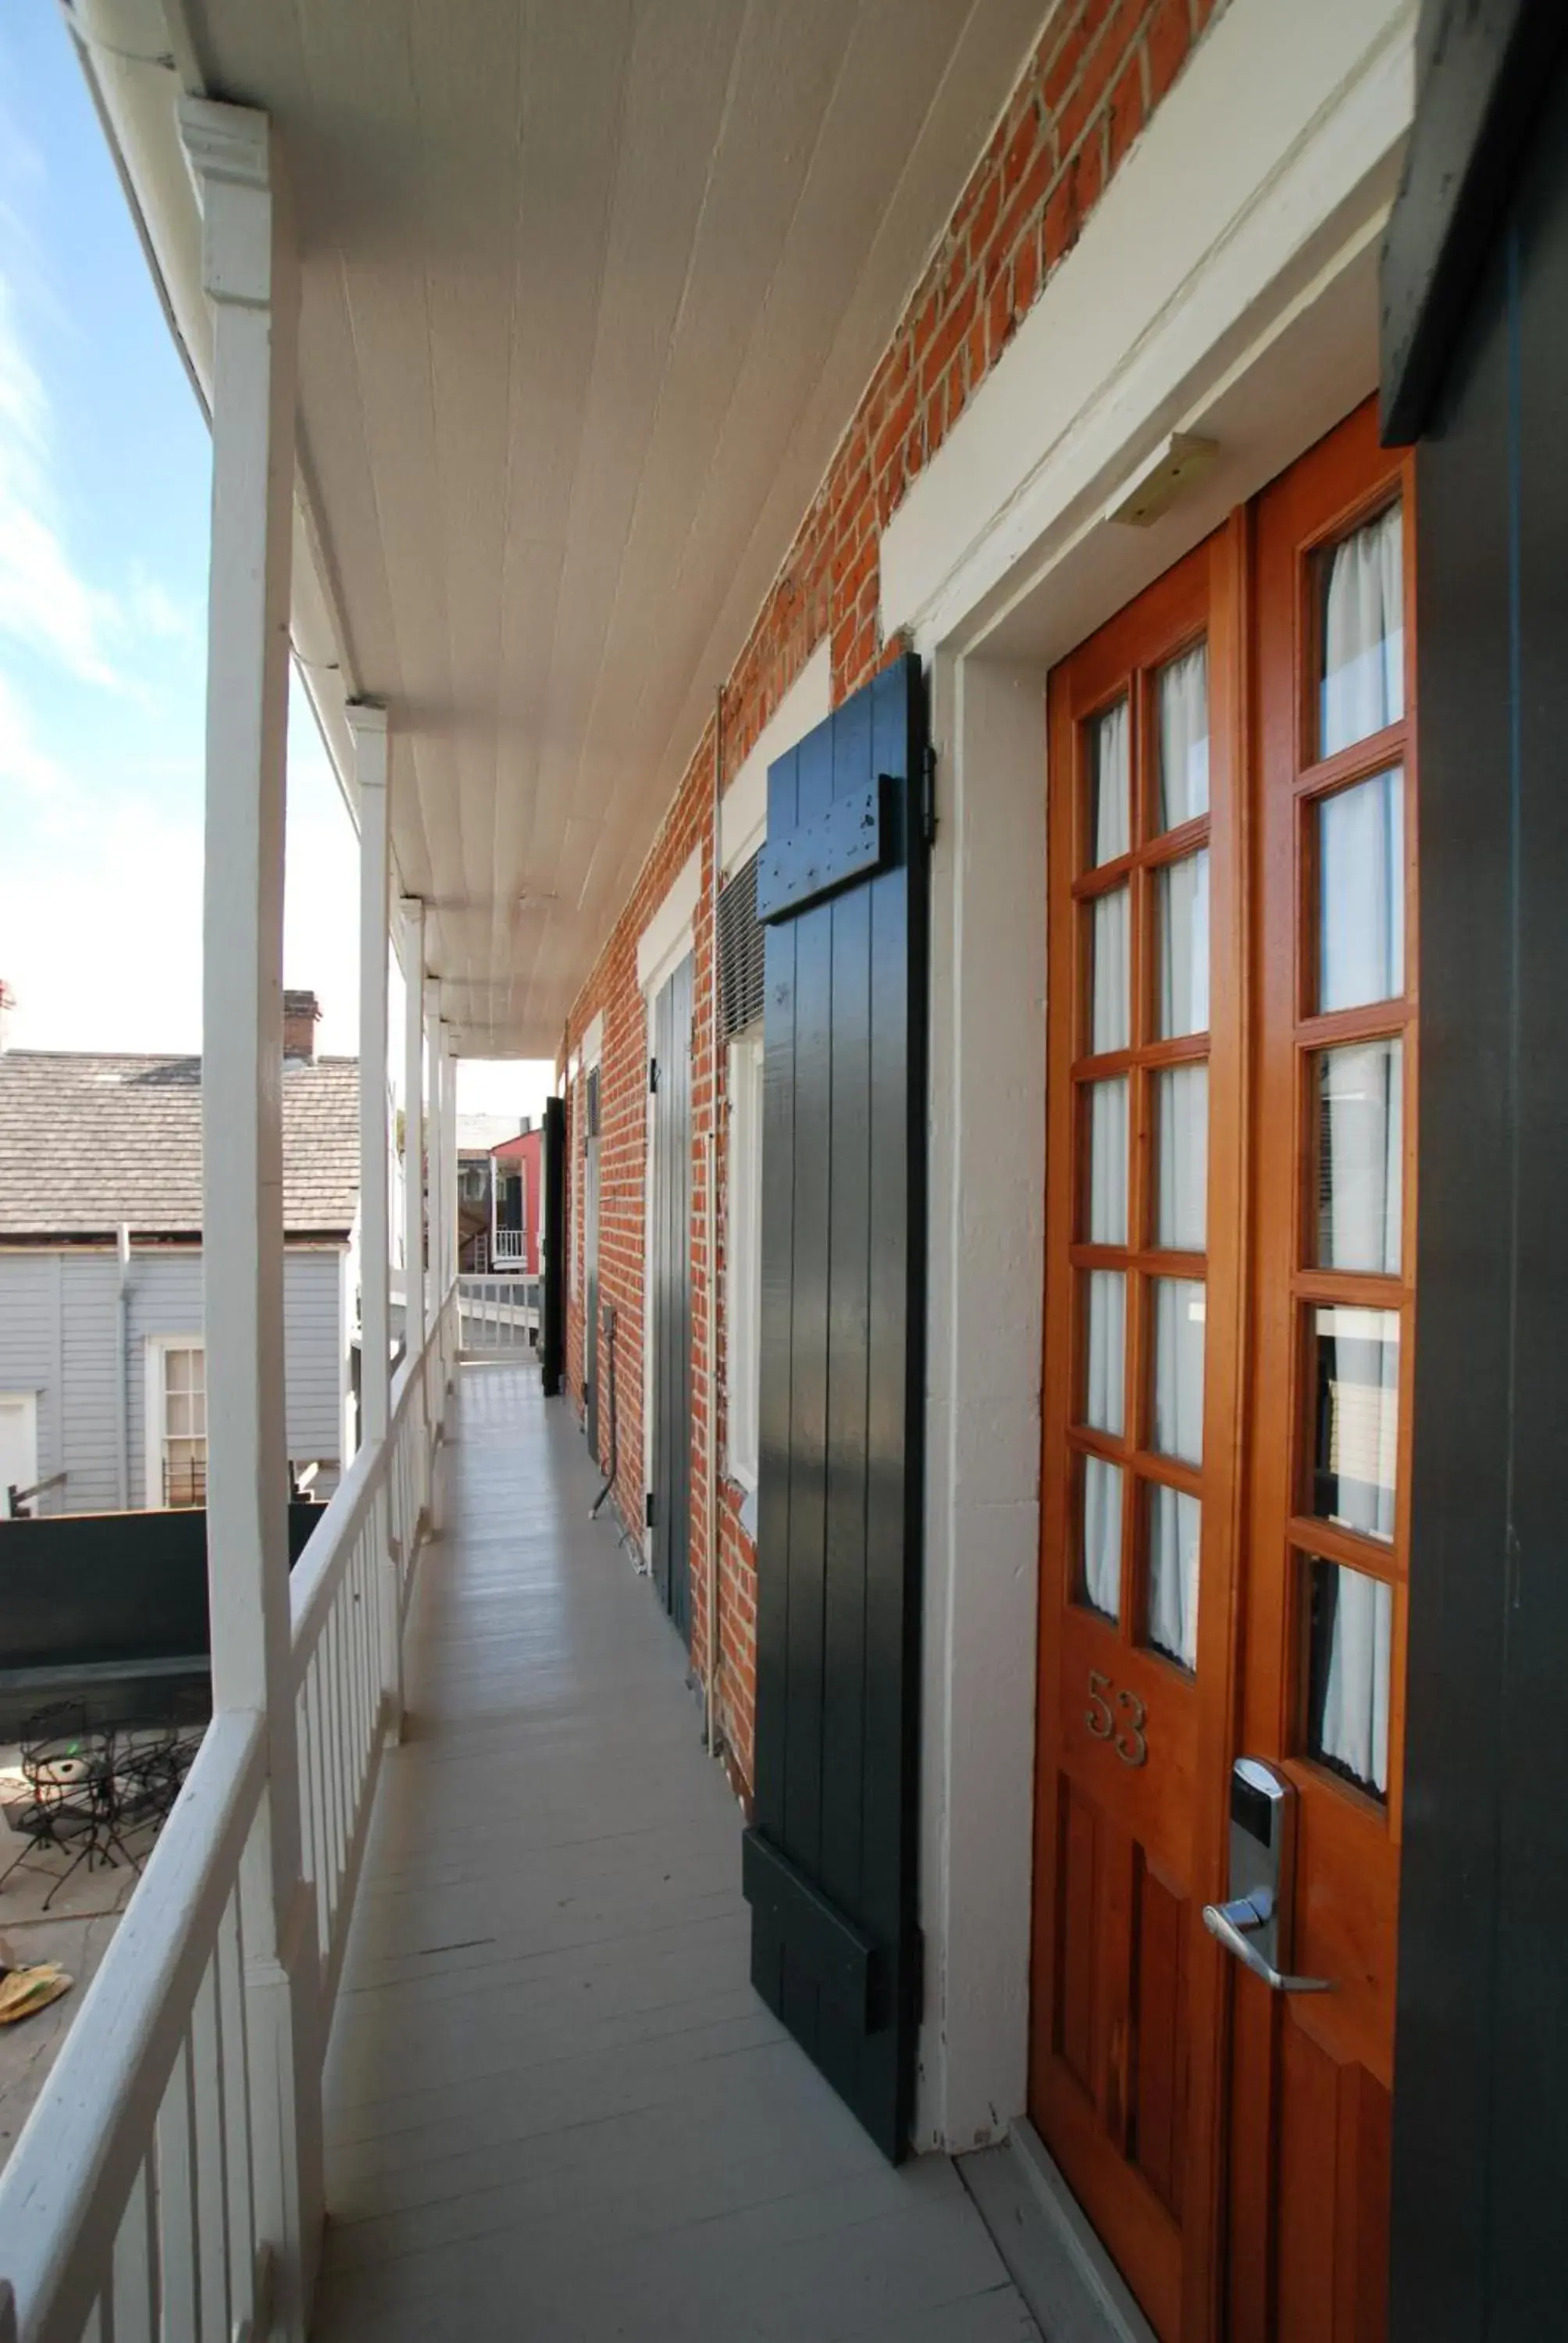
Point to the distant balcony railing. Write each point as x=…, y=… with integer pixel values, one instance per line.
x=145, y=2196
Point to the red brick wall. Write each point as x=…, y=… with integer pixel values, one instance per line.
x=1099, y=71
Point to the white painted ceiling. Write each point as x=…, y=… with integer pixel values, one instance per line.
x=591, y=288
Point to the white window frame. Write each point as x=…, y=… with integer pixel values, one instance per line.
x=743, y=1260
x=159, y=1347
x=26, y=1403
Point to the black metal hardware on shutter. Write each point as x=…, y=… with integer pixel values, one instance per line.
x=742, y=952
x=652, y=1076
x=828, y=1867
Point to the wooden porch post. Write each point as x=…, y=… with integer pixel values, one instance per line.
x=369, y=725
x=250, y=275
x=415, y=1317
x=437, y=1154
x=451, y=1190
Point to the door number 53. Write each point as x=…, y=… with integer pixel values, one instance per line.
x=1121, y=1724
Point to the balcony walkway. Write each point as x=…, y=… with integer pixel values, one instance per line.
x=556, y=2109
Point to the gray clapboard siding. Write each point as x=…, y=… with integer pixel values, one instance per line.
x=89, y=1284
x=312, y=1356
x=59, y=1336
x=166, y=1298
x=29, y=1316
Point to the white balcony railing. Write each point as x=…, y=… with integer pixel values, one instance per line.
x=511, y=1248
x=143, y=2199
x=498, y=1314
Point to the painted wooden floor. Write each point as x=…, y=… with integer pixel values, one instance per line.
x=556, y=2109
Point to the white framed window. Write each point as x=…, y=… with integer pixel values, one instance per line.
x=176, y=1421
x=743, y=1294
x=18, y=1444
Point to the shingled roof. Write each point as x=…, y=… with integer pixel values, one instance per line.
x=87, y=1143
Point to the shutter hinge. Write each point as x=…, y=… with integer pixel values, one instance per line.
x=647, y=1509
x=929, y=795
x=653, y=1075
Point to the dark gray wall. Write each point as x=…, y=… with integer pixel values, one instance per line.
x=1480, y=2120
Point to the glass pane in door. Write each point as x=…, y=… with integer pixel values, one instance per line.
x=1175, y=1521
x=1105, y=1351
x=1106, y=1215
x=1109, y=742
x=1179, y=1308
x=1181, y=945
x=1099, y=1539
x=1183, y=692
x=1358, y=1119
x=1361, y=893
x=1355, y=1442
x=1181, y=1158
x=1362, y=619
x=1350, y=1645
x=1110, y=935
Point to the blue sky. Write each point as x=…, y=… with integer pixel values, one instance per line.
x=105, y=477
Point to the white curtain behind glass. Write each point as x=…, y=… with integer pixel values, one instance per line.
x=1103, y=1535
x=1179, y=1368
x=1356, y=1689
x=1174, y=1521
x=1182, y=1118
x=1363, y=633
x=1110, y=1026
x=1183, y=945
x=1184, y=739
x=1111, y=744
x=1105, y=1398
x=1360, y=884
x=1108, y=1163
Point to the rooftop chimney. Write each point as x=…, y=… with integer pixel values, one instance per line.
x=301, y=1013
x=7, y=1002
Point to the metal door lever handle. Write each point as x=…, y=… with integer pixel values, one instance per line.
x=1230, y=1922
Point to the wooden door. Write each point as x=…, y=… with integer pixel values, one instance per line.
x=1211, y=1384
x=829, y=1865
x=669, y=1261
x=1331, y=1354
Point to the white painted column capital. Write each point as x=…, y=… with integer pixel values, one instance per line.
x=229, y=151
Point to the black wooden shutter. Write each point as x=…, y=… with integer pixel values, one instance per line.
x=829, y=1865
x=671, y=1298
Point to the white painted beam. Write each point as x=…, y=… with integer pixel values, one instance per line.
x=251, y=279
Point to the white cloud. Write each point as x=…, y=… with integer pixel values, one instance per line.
x=25, y=765
x=46, y=605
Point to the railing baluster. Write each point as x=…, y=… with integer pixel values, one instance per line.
x=239, y=2154
x=179, y=2238
x=135, y=2266
x=210, y=2157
